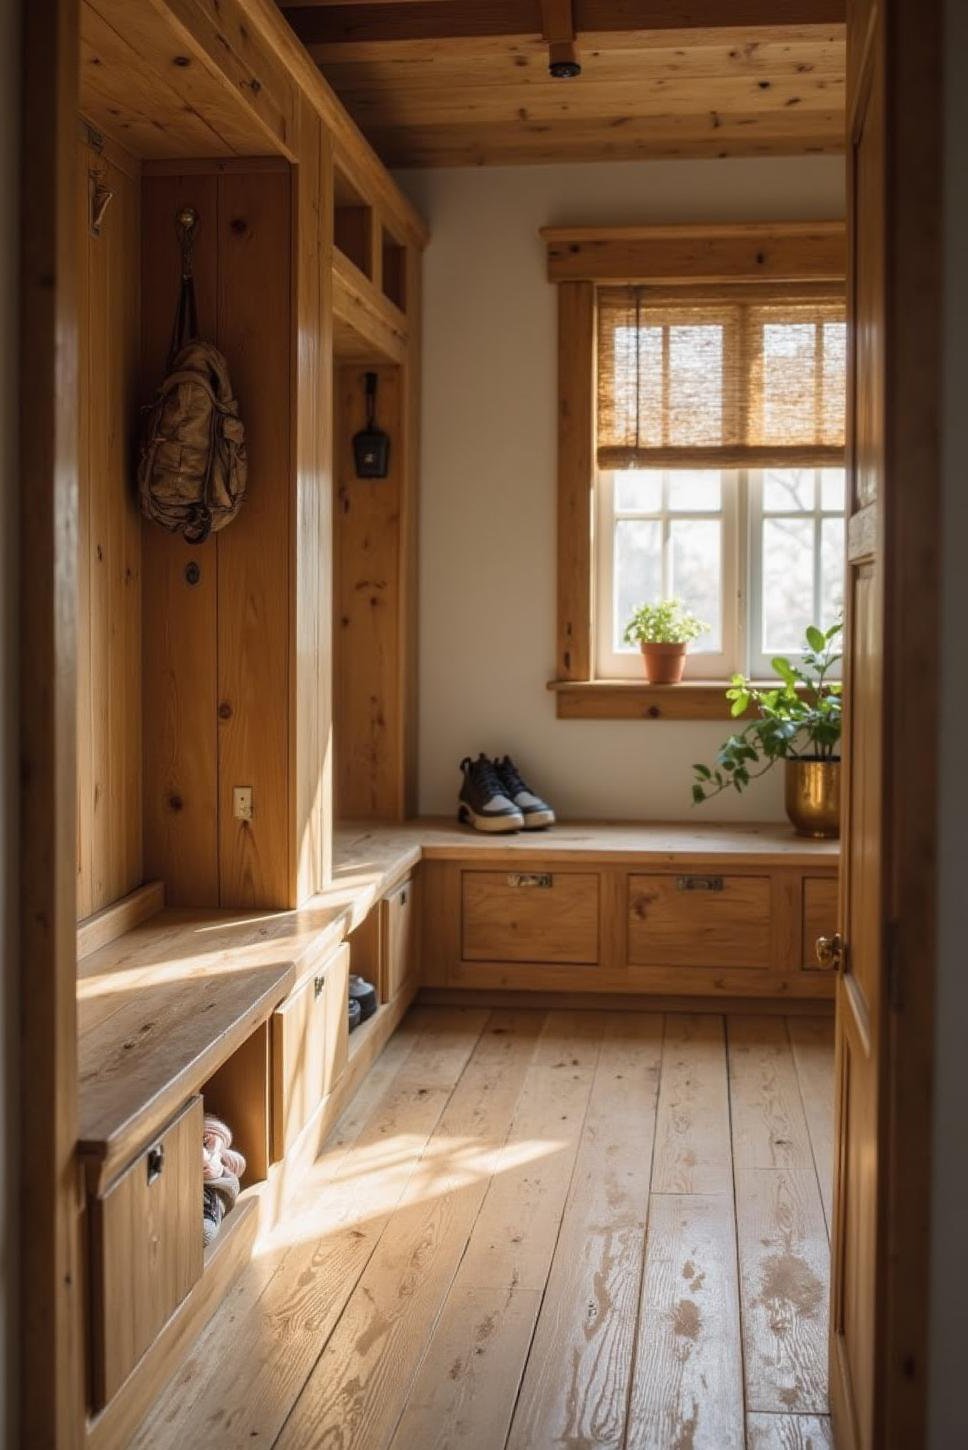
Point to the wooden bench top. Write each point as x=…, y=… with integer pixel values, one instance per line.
x=165, y=1004
x=433, y=838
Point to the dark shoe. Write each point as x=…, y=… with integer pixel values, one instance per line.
x=536, y=812
x=483, y=800
x=363, y=992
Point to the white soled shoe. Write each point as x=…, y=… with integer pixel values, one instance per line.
x=483, y=802
x=536, y=812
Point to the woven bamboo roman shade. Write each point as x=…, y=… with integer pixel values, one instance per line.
x=742, y=376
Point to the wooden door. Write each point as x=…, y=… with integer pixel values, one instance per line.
x=879, y=1232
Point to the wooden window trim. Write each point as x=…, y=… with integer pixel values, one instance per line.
x=638, y=700
x=580, y=259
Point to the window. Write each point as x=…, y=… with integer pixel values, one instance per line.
x=720, y=430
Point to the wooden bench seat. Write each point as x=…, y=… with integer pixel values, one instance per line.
x=165, y=1004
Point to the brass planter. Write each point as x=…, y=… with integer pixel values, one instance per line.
x=813, y=796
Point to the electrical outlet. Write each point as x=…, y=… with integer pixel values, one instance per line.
x=242, y=802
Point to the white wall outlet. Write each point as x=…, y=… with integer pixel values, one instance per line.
x=242, y=802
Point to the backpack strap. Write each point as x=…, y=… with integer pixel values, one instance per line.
x=185, y=327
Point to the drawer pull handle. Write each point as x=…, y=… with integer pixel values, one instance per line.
x=155, y=1162
x=318, y=985
x=403, y=898
x=542, y=879
x=699, y=883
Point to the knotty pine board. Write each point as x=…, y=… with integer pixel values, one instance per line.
x=216, y=693
x=109, y=805
x=575, y=1387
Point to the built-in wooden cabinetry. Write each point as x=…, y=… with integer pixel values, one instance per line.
x=214, y=951
x=720, y=912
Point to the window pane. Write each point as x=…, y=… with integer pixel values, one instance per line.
x=695, y=492
x=638, y=490
x=832, y=489
x=697, y=574
x=695, y=402
x=787, y=582
x=638, y=570
x=788, y=490
x=831, y=571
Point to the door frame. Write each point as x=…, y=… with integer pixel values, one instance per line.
x=912, y=522
x=51, y=1408
x=51, y=1338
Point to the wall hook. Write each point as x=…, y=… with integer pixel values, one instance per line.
x=101, y=198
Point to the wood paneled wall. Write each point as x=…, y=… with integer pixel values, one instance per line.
x=370, y=720
x=217, y=658
x=109, y=813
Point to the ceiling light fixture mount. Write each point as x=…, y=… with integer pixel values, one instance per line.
x=563, y=62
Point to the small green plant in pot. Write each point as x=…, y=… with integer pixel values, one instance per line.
x=798, y=722
x=663, y=632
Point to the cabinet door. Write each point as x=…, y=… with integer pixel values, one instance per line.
x=690, y=920
x=146, y=1242
x=530, y=916
x=819, y=916
x=399, y=940
x=309, y=1048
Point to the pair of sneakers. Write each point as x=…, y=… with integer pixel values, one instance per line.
x=494, y=797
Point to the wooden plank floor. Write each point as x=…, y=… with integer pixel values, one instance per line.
x=543, y=1229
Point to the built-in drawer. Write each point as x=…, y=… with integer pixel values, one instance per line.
x=399, y=922
x=530, y=916
x=819, y=916
x=309, y=1048
x=690, y=920
x=146, y=1250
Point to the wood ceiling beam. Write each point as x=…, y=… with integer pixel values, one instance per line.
x=378, y=20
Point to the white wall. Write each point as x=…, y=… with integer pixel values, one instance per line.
x=487, y=631
x=9, y=185
x=949, y=1280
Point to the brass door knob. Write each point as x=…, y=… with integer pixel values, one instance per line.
x=830, y=951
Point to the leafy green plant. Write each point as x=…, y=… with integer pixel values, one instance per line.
x=799, y=717
x=668, y=622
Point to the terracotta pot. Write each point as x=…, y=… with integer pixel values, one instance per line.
x=813, y=796
x=664, y=663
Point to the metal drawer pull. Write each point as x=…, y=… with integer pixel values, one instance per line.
x=318, y=985
x=699, y=883
x=543, y=879
x=155, y=1161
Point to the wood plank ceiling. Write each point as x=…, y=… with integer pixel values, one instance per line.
x=466, y=82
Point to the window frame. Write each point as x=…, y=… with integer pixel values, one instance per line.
x=580, y=260
x=608, y=663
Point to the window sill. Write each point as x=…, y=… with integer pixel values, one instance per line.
x=635, y=700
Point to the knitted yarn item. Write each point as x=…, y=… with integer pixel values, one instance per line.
x=226, y=1189
x=218, y=1157
x=212, y=1214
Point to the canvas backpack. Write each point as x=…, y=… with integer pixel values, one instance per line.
x=192, y=470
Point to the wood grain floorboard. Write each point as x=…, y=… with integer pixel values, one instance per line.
x=687, y=1389
x=812, y=1039
x=789, y=1432
x=768, y=1122
x=692, y=1152
x=784, y=1289
x=542, y=1230
x=575, y=1390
